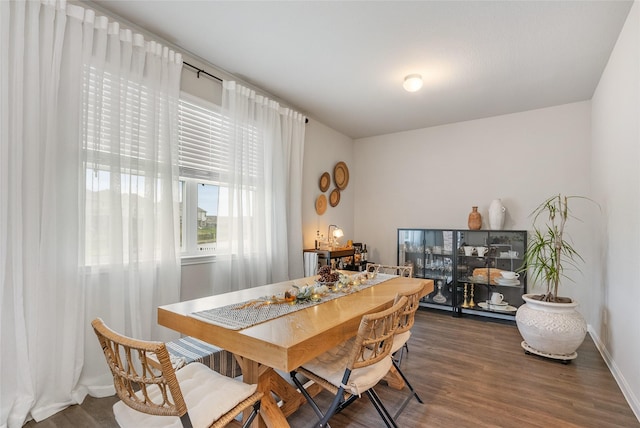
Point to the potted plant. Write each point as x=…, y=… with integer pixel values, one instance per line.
x=550, y=324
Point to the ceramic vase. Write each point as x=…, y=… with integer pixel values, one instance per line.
x=475, y=219
x=496, y=214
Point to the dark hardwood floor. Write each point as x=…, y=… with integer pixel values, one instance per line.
x=470, y=373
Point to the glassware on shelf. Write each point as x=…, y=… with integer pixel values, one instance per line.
x=420, y=265
x=439, y=297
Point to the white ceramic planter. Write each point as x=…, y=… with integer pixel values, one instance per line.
x=554, y=330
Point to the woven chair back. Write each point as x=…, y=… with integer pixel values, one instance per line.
x=375, y=335
x=135, y=373
x=406, y=270
x=408, y=315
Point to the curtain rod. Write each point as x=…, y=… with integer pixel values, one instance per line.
x=199, y=70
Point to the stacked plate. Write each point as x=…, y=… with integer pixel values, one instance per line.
x=498, y=306
x=505, y=281
x=504, y=306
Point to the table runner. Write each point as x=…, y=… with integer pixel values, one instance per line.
x=239, y=315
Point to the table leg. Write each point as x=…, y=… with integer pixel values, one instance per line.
x=270, y=382
x=394, y=380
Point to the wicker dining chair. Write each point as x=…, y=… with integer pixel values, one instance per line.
x=356, y=366
x=406, y=270
x=400, y=339
x=153, y=394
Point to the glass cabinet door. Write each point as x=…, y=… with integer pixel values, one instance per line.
x=439, y=265
x=487, y=264
x=411, y=249
x=430, y=251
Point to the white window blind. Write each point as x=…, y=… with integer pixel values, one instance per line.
x=204, y=136
x=202, y=149
x=125, y=135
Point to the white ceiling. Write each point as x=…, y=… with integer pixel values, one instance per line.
x=343, y=62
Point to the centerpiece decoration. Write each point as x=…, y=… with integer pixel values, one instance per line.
x=328, y=282
x=296, y=294
x=327, y=276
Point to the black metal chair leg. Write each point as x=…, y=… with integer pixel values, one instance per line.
x=254, y=413
x=406, y=381
x=333, y=408
x=306, y=395
x=346, y=403
x=382, y=411
x=337, y=404
x=400, y=353
x=408, y=398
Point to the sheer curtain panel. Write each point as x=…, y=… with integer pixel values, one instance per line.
x=88, y=198
x=259, y=219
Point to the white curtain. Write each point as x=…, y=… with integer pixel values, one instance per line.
x=259, y=221
x=88, y=189
x=293, y=130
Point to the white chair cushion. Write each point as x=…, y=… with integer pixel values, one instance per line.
x=208, y=396
x=331, y=366
x=399, y=340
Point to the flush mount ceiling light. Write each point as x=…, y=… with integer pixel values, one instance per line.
x=412, y=82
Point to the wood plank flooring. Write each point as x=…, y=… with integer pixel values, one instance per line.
x=471, y=373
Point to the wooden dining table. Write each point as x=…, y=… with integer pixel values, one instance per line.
x=287, y=342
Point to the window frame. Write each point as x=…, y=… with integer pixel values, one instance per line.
x=189, y=246
x=196, y=167
x=190, y=178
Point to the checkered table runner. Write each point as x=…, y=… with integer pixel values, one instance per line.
x=239, y=316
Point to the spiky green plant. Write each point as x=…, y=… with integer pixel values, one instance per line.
x=549, y=249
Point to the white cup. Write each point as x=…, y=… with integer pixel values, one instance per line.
x=496, y=298
x=481, y=251
x=509, y=275
x=468, y=251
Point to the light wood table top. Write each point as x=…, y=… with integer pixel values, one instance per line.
x=291, y=340
x=286, y=342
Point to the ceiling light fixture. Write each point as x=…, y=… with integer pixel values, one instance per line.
x=412, y=82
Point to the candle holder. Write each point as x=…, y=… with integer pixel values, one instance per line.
x=464, y=303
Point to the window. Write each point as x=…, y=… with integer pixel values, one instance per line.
x=118, y=164
x=199, y=203
x=205, y=170
x=207, y=215
x=201, y=156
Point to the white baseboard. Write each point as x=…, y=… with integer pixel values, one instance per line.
x=633, y=401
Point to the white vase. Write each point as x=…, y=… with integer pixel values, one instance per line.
x=496, y=215
x=554, y=330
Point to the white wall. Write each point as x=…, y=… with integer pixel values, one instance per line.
x=323, y=148
x=430, y=178
x=616, y=184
